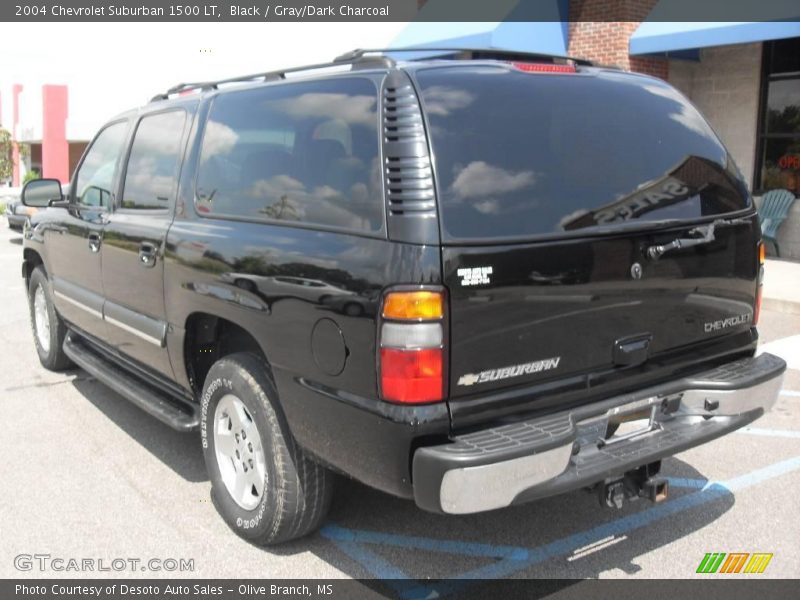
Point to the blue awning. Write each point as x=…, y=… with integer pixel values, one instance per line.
x=654, y=37
x=539, y=27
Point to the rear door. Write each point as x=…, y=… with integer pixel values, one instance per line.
x=134, y=234
x=552, y=187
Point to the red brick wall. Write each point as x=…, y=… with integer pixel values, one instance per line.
x=76, y=150
x=600, y=30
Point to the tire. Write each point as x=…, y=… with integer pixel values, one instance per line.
x=246, y=284
x=48, y=329
x=296, y=491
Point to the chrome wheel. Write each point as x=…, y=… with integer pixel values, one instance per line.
x=41, y=319
x=239, y=454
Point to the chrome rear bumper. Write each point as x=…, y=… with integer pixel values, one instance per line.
x=518, y=462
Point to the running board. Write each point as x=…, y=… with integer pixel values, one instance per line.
x=181, y=416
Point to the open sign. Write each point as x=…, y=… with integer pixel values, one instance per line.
x=789, y=161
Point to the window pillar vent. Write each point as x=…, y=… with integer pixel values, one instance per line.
x=408, y=176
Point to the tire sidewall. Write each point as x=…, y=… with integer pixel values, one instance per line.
x=227, y=377
x=38, y=278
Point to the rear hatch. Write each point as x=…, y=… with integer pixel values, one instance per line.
x=553, y=188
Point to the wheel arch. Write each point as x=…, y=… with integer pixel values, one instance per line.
x=30, y=260
x=208, y=338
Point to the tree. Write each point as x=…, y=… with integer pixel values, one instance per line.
x=6, y=155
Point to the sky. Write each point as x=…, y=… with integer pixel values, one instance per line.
x=111, y=67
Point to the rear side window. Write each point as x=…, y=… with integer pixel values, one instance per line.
x=151, y=176
x=521, y=154
x=302, y=152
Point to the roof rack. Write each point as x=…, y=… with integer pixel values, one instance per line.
x=466, y=54
x=375, y=58
x=358, y=62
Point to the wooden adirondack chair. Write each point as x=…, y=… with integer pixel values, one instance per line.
x=774, y=207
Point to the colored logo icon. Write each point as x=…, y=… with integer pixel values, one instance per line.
x=734, y=562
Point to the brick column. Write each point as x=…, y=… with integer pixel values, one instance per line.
x=600, y=30
x=55, y=150
x=16, y=90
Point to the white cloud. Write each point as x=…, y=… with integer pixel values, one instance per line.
x=442, y=100
x=686, y=115
x=480, y=179
x=218, y=139
x=353, y=110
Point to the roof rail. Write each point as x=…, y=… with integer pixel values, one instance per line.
x=358, y=62
x=466, y=54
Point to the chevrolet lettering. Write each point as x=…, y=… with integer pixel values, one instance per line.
x=727, y=322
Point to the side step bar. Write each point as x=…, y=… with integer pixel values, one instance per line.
x=178, y=415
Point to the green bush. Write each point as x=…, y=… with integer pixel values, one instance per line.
x=30, y=176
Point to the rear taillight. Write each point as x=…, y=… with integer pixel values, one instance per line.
x=762, y=255
x=411, y=363
x=543, y=67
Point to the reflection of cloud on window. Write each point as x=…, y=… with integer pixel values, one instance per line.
x=274, y=186
x=442, y=100
x=482, y=179
x=354, y=110
x=487, y=207
x=287, y=199
x=100, y=179
x=335, y=129
x=218, y=139
x=152, y=175
x=685, y=115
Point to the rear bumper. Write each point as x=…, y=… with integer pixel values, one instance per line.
x=514, y=463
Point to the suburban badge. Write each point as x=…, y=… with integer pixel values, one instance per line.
x=508, y=372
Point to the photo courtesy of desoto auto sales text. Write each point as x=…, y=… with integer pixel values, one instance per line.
x=399, y=299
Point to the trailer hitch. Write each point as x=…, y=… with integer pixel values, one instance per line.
x=643, y=482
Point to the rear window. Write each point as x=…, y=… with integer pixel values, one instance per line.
x=520, y=154
x=305, y=153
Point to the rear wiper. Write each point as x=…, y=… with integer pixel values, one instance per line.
x=705, y=233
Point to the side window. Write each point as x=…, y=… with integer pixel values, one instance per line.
x=93, y=181
x=302, y=152
x=151, y=175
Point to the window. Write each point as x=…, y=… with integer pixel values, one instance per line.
x=151, y=176
x=778, y=165
x=301, y=152
x=521, y=154
x=95, y=177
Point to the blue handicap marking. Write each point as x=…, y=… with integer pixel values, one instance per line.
x=504, y=561
x=353, y=542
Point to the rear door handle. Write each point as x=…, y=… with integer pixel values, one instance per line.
x=94, y=242
x=633, y=350
x=147, y=254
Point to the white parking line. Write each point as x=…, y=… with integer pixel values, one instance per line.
x=595, y=547
x=784, y=433
x=790, y=393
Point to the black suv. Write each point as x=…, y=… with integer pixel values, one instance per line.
x=472, y=279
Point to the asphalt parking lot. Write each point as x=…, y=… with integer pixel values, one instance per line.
x=84, y=473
